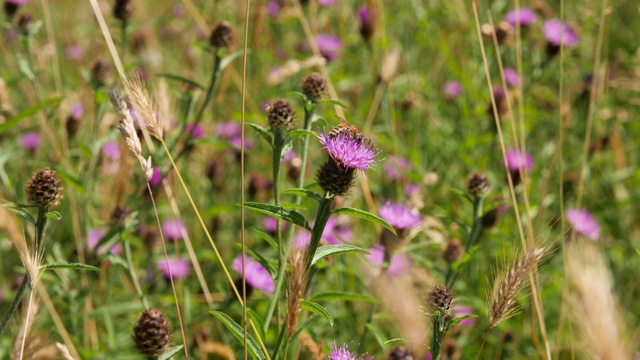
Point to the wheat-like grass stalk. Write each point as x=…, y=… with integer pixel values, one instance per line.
x=141, y=102
x=297, y=284
x=594, y=308
x=508, y=284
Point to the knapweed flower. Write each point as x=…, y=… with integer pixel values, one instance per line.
x=18, y=2
x=335, y=234
x=347, y=153
x=524, y=16
x=366, y=16
x=584, y=223
x=460, y=311
x=343, y=353
x=329, y=46
x=195, y=130
x=156, y=177
x=518, y=161
x=559, y=33
x=399, y=216
x=326, y=2
x=30, y=141
x=228, y=130
x=174, y=230
x=395, y=167
x=270, y=224
x=301, y=239
x=74, y=52
x=111, y=150
x=478, y=185
x=222, y=36
x=490, y=218
x=256, y=275
x=273, y=8
x=152, y=333
x=511, y=77
x=44, y=189
x=176, y=269
x=94, y=237
x=452, y=90
x=400, y=264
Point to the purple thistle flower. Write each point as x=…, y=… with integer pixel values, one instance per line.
x=400, y=263
x=364, y=14
x=351, y=152
x=30, y=141
x=559, y=33
x=399, y=216
x=343, y=353
x=195, y=130
x=156, y=177
x=174, y=230
x=334, y=234
x=77, y=111
x=257, y=276
x=411, y=188
x=290, y=155
x=273, y=8
x=301, y=239
x=517, y=160
x=511, y=77
x=326, y=2
x=525, y=16
x=395, y=167
x=228, y=130
x=178, y=10
x=180, y=268
x=584, y=223
x=329, y=46
x=111, y=150
x=270, y=224
x=452, y=90
x=237, y=143
x=460, y=311
x=74, y=52
x=94, y=237
x=18, y=2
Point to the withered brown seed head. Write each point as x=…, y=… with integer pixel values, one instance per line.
x=440, y=298
x=453, y=251
x=314, y=86
x=152, y=333
x=478, y=185
x=281, y=115
x=222, y=36
x=44, y=189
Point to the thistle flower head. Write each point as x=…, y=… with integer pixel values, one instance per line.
x=44, y=189
x=524, y=16
x=518, y=160
x=453, y=251
x=174, y=230
x=478, y=185
x=559, y=33
x=176, y=269
x=123, y=9
x=111, y=150
x=329, y=46
x=30, y=141
x=152, y=333
x=314, y=86
x=256, y=275
x=399, y=216
x=400, y=264
x=351, y=152
x=584, y=223
x=343, y=353
x=440, y=298
x=511, y=77
x=281, y=115
x=452, y=90
x=395, y=167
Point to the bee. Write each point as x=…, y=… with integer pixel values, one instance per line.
x=342, y=128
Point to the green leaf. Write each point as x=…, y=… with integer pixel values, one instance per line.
x=229, y=59
x=67, y=179
x=465, y=259
x=455, y=321
x=317, y=309
x=25, y=69
x=334, y=102
x=300, y=133
x=343, y=296
x=303, y=192
x=257, y=321
x=377, y=334
x=329, y=250
x=53, y=215
x=297, y=94
x=215, y=143
x=395, y=341
x=4, y=127
x=261, y=259
x=183, y=79
x=266, y=237
x=365, y=215
x=21, y=211
x=169, y=353
x=70, y=266
x=262, y=132
x=279, y=212
x=238, y=332
x=286, y=147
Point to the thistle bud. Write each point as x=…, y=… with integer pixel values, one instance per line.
x=25, y=23
x=222, y=35
x=44, y=190
x=440, y=298
x=100, y=72
x=314, y=86
x=123, y=10
x=453, y=251
x=400, y=352
x=334, y=178
x=152, y=333
x=281, y=115
x=478, y=185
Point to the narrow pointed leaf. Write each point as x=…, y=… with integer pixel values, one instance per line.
x=279, y=212
x=238, y=332
x=303, y=192
x=70, y=266
x=229, y=59
x=330, y=250
x=343, y=296
x=317, y=309
x=264, y=133
x=169, y=353
x=365, y=215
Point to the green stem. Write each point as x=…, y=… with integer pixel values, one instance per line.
x=438, y=335
x=123, y=44
x=132, y=273
x=472, y=238
x=322, y=216
x=41, y=225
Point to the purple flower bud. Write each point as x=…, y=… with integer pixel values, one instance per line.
x=452, y=90
x=273, y=8
x=174, y=230
x=77, y=111
x=30, y=141
x=156, y=177
x=329, y=46
x=525, y=16
x=111, y=150
x=511, y=77
x=228, y=130
x=256, y=275
x=176, y=269
x=195, y=130
x=584, y=223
